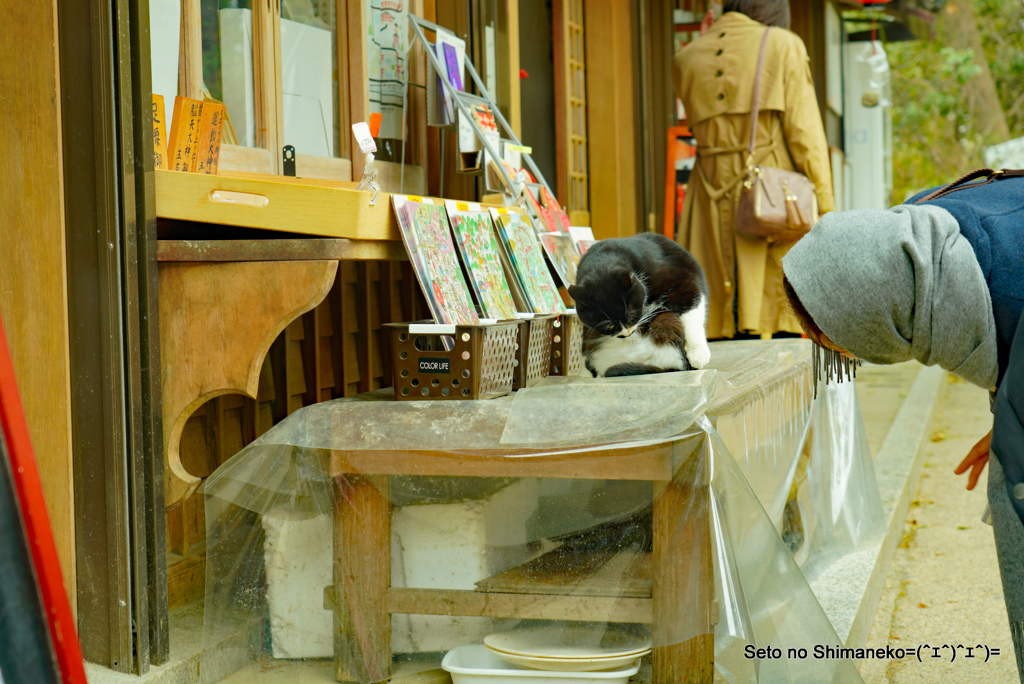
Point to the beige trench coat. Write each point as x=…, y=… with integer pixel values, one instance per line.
x=714, y=77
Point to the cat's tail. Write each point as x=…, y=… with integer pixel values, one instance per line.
x=623, y=369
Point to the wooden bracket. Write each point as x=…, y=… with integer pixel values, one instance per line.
x=217, y=322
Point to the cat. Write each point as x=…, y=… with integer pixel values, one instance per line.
x=643, y=302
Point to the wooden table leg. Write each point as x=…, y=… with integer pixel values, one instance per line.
x=362, y=575
x=679, y=588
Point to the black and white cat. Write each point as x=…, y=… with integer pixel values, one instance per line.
x=643, y=300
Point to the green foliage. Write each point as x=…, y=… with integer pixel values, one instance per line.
x=1001, y=23
x=936, y=134
x=934, y=131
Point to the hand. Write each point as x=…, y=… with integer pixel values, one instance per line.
x=708, y=20
x=976, y=459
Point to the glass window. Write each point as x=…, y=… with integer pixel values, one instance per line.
x=309, y=76
x=227, y=32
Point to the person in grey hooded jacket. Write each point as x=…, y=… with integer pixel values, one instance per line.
x=939, y=279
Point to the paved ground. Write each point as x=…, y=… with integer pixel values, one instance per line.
x=943, y=585
x=880, y=393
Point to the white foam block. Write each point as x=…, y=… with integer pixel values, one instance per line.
x=298, y=552
x=439, y=546
x=453, y=546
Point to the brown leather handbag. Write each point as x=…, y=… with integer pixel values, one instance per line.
x=774, y=204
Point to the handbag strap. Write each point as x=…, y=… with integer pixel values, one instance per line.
x=966, y=181
x=754, y=105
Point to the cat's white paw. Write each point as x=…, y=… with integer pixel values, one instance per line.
x=698, y=354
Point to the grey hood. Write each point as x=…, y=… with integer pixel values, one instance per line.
x=896, y=284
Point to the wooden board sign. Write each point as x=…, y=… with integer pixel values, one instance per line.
x=184, y=137
x=159, y=133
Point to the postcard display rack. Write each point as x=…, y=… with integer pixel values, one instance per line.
x=461, y=356
x=461, y=104
x=518, y=337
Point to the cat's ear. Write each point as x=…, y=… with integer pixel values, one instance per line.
x=627, y=280
x=574, y=291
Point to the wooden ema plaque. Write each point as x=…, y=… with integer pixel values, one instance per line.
x=159, y=133
x=195, y=137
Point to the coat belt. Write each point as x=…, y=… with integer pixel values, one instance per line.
x=725, y=251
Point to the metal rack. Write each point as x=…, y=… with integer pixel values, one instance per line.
x=462, y=101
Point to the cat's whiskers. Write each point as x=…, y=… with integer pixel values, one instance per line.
x=651, y=310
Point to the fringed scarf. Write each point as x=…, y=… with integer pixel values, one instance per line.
x=827, y=364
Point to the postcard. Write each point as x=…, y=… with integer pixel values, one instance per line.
x=475, y=239
x=527, y=258
x=562, y=253
x=424, y=228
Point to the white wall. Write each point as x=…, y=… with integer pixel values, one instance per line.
x=867, y=131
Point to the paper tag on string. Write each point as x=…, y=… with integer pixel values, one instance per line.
x=362, y=132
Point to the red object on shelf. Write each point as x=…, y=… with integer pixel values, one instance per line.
x=523, y=74
x=375, y=119
x=37, y=524
x=674, y=192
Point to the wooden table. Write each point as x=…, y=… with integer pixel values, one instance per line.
x=364, y=600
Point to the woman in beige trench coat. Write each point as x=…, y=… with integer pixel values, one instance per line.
x=714, y=77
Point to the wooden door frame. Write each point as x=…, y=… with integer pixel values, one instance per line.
x=615, y=199
x=33, y=289
x=110, y=226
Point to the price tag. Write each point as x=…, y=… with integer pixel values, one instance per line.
x=462, y=206
x=524, y=149
x=502, y=210
x=414, y=198
x=362, y=132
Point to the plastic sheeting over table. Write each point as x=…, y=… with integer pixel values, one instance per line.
x=379, y=532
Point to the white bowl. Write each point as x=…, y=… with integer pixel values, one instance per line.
x=478, y=665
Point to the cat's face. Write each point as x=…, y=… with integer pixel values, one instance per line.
x=611, y=305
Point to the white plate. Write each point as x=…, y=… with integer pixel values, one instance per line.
x=570, y=642
x=637, y=653
x=569, y=664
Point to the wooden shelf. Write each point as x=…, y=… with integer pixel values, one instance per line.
x=569, y=571
x=520, y=606
x=293, y=249
x=312, y=207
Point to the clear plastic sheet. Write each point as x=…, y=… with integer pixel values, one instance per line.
x=762, y=411
x=368, y=535
x=841, y=502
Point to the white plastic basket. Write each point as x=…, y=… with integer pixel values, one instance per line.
x=477, y=665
